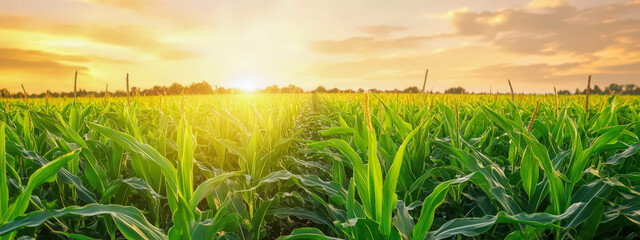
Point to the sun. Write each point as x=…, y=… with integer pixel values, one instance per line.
x=247, y=83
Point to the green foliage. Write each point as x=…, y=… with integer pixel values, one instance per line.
x=302, y=166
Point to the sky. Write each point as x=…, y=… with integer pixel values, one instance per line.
x=249, y=44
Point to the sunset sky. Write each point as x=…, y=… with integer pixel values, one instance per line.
x=346, y=44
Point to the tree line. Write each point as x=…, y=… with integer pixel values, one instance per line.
x=620, y=89
x=203, y=87
x=173, y=89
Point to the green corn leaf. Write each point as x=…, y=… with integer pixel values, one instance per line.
x=4, y=188
x=337, y=131
x=580, y=162
x=476, y=226
x=185, y=148
x=403, y=221
x=207, y=187
x=149, y=153
x=529, y=172
x=618, y=158
x=307, y=233
x=431, y=203
x=375, y=178
x=258, y=219
x=389, y=196
x=63, y=175
x=300, y=213
x=46, y=173
x=129, y=220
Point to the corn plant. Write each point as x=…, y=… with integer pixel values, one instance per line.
x=320, y=166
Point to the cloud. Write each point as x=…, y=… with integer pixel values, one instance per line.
x=368, y=45
x=34, y=55
x=547, y=43
x=12, y=59
x=381, y=30
x=629, y=68
x=546, y=4
x=155, y=9
x=173, y=54
x=527, y=73
x=556, y=29
x=39, y=70
x=137, y=5
x=140, y=38
x=364, y=44
x=450, y=63
x=474, y=67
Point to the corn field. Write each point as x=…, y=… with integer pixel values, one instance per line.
x=321, y=166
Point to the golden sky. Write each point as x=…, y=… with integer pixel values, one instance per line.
x=346, y=44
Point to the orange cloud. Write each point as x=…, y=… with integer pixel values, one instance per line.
x=126, y=4
x=381, y=30
x=30, y=67
x=559, y=28
x=370, y=45
x=540, y=72
x=140, y=38
x=447, y=64
x=549, y=42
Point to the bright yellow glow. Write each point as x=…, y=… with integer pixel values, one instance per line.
x=247, y=83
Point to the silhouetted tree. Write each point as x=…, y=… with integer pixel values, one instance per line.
x=455, y=90
x=205, y=88
x=413, y=89
x=596, y=90
x=199, y=88
x=320, y=89
x=5, y=93
x=175, y=89
x=291, y=89
x=272, y=89
x=615, y=88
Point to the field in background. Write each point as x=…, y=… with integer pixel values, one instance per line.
x=321, y=166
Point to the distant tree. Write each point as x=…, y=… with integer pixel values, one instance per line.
x=199, y=88
x=120, y=93
x=596, y=90
x=272, y=89
x=222, y=90
x=614, y=88
x=320, y=89
x=628, y=89
x=564, y=92
x=205, y=88
x=413, y=89
x=135, y=91
x=455, y=90
x=158, y=90
x=5, y=93
x=175, y=89
x=291, y=89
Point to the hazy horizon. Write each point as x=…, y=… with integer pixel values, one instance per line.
x=337, y=44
